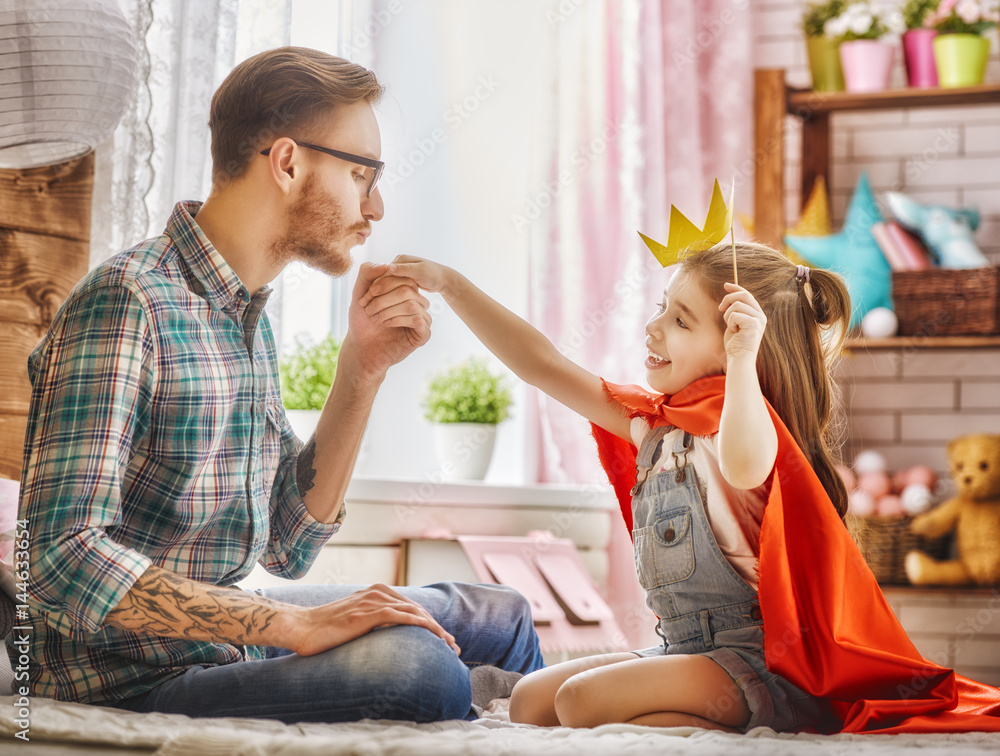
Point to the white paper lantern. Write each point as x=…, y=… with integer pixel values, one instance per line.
x=67, y=76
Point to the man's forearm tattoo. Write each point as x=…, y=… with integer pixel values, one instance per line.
x=165, y=604
x=305, y=470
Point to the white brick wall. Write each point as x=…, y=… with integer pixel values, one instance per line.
x=947, y=155
x=908, y=403
x=959, y=630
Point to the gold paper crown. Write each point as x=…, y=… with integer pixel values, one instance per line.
x=684, y=237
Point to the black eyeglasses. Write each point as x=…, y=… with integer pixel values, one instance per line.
x=376, y=166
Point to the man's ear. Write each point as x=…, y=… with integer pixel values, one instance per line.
x=284, y=163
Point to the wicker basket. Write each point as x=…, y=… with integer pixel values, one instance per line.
x=885, y=541
x=947, y=302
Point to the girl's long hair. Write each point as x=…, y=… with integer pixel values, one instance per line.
x=806, y=327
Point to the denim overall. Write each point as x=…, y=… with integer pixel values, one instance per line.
x=703, y=604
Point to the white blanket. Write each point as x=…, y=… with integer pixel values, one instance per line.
x=175, y=735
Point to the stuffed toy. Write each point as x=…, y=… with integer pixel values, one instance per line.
x=853, y=253
x=947, y=232
x=974, y=514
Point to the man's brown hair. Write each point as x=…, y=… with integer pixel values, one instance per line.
x=280, y=92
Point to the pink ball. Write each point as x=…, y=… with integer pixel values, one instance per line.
x=890, y=506
x=861, y=503
x=921, y=475
x=849, y=478
x=899, y=482
x=875, y=483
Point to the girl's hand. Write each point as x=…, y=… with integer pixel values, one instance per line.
x=745, y=322
x=390, y=327
x=407, y=270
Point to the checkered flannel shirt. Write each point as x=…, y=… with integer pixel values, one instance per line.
x=156, y=435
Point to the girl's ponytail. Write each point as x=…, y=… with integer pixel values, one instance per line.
x=830, y=300
x=808, y=312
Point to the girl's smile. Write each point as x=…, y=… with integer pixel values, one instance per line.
x=653, y=360
x=684, y=337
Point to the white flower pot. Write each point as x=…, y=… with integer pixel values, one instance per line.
x=303, y=422
x=464, y=450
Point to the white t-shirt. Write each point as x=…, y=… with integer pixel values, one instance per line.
x=734, y=514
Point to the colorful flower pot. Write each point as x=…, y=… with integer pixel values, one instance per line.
x=824, y=64
x=961, y=59
x=918, y=56
x=867, y=64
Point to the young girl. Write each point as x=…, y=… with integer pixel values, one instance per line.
x=742, y=414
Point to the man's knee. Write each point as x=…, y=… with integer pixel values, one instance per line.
x=418, y=676
x=516, y=605
x=477, y=605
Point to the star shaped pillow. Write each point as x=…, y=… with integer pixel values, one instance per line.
x=853, y=253
x=814, y=220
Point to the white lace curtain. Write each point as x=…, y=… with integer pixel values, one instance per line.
x=160, y=153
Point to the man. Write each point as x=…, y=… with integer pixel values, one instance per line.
x=160, y=466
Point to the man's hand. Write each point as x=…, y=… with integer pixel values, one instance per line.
x=336, y=623
x=400, y=323
x=162, y=603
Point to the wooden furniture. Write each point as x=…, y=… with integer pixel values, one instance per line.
x=383, y=513
x=44, y=251
x=925, y=342
x=774, y=99
x=957, y=627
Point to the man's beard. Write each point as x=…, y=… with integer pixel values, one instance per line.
x=316, y=234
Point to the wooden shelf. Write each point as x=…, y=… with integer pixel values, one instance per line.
x=774, y=100
x=805, y=102
x=958, y=590
x=923, y=342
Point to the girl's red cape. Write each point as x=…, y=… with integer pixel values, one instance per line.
x=827, y=626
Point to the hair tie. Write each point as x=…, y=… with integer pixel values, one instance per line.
x=801, y=271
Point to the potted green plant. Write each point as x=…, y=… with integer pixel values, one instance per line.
x=918, y=43
x=960, y=49
x=465, y=403
x=865, y=32
x=307, y=374
x=824, y=60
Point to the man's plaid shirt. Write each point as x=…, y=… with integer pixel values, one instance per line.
x=156, y=435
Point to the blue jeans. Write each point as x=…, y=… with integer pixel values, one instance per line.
x=400, y=672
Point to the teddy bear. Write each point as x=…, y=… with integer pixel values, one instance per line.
x=974, y=514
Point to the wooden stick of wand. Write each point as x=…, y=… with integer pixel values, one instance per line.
x=732, y=236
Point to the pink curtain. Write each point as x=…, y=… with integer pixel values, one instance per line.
x=650, y=102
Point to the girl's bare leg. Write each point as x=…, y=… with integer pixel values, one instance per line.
x=674, y=719
x=659, y=690
x=533, y=699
